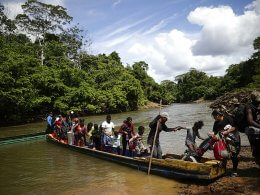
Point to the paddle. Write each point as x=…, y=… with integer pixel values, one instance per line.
x=156, y=132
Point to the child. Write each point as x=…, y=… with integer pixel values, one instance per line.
x=116, y=142
x=90, y=129
x=136, y=144
x=192, y=133
x=96, y=137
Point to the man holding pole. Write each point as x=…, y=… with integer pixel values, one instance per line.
x=158, y=125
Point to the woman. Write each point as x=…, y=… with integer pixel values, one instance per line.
x=79, y=133
x=127, y=131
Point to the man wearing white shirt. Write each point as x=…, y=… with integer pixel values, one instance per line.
x=107, y=129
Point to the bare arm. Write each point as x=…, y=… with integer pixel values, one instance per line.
x=250, y=119
x=230, y=130
x=198, y=135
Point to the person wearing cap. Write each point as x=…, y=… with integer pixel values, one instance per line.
x=253, y=127
x=161, y=119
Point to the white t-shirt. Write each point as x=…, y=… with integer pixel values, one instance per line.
x=108, y=127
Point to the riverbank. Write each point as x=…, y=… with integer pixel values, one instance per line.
x=247, y=182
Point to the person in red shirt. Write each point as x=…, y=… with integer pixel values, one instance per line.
x=79, y=133
x=127, y=131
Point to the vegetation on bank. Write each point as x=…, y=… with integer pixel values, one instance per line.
x=44, y=67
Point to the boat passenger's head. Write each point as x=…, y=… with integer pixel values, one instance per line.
x=76, y=120
x=95, y=126
x=255, y=97
x=108, y=118
x=89, y=126
x=141, y=130
x=217, y=115
x=198, y=125
x=81, y=122
x=164, y=117
x=116, y=133
x=129, y=120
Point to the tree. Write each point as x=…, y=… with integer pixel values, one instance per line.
x=6, y=25
x=40, y=18
x=191, y=85
x=74, y=39
x=168, y=91
x=139, y=71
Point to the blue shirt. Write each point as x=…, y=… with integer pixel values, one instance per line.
x=49, y=119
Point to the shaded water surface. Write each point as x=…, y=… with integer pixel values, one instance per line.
x=38, y=167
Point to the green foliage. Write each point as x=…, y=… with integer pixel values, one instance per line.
x=72, y=79
x=168, y=91
x=7, y=26
x=191, y=86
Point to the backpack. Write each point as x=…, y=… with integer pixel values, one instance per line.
x=220, y=150
x=240, y=118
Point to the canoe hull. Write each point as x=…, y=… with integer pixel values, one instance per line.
x=166, y=168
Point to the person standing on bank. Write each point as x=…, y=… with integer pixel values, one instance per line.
x=252, y=129
x=157, y=153
x=226, y=125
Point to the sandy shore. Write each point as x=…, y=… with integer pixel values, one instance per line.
x=247, y=182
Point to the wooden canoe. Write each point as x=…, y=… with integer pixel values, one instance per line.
x=171, y=166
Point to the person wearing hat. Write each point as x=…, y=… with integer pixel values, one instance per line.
x=161, y=119
x=253, y=128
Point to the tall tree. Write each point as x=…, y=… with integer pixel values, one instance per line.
x=74, y=39
x=40, y=18
x=6, y=25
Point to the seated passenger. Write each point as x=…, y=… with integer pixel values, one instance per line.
x=116, y=142
x=136, y=144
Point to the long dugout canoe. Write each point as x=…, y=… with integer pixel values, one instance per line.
x=171, y=166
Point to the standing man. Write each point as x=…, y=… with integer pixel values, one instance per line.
x=253, y=127
x=107, y=130
x=226, y=125
x=49, y=123
x=157, y=153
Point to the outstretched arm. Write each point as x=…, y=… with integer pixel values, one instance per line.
x=165, y=128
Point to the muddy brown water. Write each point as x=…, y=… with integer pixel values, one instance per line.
x=39, y=167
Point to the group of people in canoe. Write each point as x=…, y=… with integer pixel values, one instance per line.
x=73, y=130
x=224, y=139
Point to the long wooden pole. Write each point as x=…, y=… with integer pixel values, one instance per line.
x=156, y=132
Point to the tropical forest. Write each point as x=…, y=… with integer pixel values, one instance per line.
x=45, y=66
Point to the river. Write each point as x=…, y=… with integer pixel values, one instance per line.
x=38, y=167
